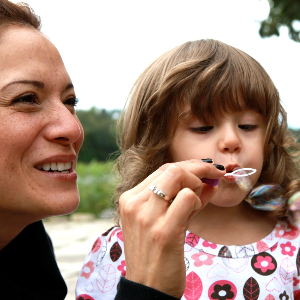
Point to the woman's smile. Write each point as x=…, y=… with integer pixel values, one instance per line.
x=59, y=167
x=58, y=164
x=58, y=170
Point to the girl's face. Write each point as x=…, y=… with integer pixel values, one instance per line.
x=39, y=128
x=235, y=140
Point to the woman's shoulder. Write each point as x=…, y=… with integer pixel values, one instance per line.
x=36, y=248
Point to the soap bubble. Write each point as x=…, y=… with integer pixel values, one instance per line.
x=242, y=177
x=294, y=208
x=268, y=197
x=294, y=202
x=271, y=197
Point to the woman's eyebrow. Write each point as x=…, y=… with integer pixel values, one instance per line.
x=69, y=86
x=31, y=82
x=38, y=84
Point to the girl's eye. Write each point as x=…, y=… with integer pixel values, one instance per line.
x=26, y=98
x=202, y=129
x=71, y=101
x=247, y=127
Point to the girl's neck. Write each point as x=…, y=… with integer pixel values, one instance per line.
x=238, y=225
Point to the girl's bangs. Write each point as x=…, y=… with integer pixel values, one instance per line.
x=239, y=83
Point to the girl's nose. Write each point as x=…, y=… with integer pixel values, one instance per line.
x=230, y=140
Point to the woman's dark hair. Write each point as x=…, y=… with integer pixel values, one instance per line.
x=18, y=14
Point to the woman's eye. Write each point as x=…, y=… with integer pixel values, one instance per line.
x=247, y=127
x=202, y=129
x=27, y=98
x=71, y=101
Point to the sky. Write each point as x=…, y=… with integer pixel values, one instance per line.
x=106, y=45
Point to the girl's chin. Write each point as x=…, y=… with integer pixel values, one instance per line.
x=225, y=205
x=227, y=202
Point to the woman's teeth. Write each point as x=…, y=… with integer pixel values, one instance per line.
x=59, y=167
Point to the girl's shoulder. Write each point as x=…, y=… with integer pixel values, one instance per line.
x=286, y=231
x=103, y=266
x=109, y=243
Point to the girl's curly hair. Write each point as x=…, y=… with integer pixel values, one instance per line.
x=211, y=78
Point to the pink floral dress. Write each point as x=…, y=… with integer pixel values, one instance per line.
x=268, y=269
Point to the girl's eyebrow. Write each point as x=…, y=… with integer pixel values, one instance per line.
x=38, y=84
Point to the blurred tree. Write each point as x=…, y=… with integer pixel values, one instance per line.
x=296, y=134
x=99, y=134
x=282, y=13
x=96, y=183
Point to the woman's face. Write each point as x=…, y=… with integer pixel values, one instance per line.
x=38, y=128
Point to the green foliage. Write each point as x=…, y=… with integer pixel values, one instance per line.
x=99, y=134
x=282, y=13
x=296, y=134
x=96, y=184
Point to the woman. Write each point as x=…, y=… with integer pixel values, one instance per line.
x=40, y=140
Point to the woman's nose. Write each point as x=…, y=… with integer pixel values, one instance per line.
x=230, y=140
x=63, y=126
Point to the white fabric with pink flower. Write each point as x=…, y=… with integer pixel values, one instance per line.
x=268, y=269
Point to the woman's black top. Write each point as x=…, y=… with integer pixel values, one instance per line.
x=129, y=290
x=28, y=270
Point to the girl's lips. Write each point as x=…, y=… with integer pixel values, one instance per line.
x=230, y=178
x=229, y=169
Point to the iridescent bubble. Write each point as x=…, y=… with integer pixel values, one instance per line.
x=294, y=209
x=294, y=202
x=267, y=197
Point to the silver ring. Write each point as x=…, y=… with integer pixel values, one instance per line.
x=158, y=192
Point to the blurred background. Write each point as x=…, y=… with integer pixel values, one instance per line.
x=106, y=45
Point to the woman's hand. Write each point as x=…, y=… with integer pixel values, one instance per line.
x=154, y=230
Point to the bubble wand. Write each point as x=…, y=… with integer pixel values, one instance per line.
x=241, y=177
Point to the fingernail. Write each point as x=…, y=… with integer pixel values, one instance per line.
x=219, y=167
x=207, y=160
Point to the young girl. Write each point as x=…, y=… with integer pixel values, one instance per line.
x=199, y=111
